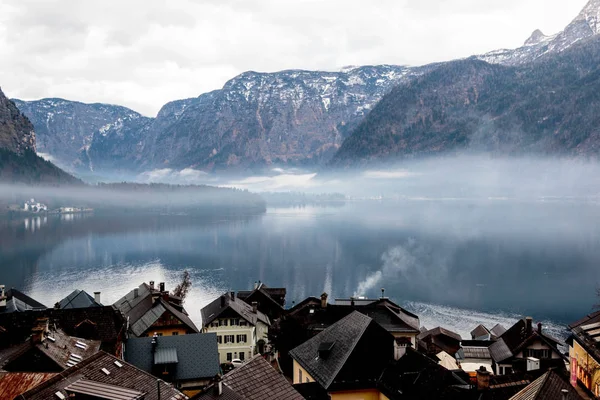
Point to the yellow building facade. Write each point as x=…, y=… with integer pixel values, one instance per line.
x=584, y=368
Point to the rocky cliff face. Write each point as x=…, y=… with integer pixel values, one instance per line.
x=16, y=132
x=546, y=107
x=65, y=129
x=585, y=25
x=18, y=160
x=259, y=119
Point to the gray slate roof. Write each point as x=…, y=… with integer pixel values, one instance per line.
x=500, y=351
x=226, y=394
x=258, y=380
x=345, y=334
x=126, y=377
x=479, y=331
x=197, y=354
x=143, y=312
x=17, y=301
x=498, y=330
x=240, y=307
x=78, y=299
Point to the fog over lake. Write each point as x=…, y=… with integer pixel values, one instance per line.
x=457, y=255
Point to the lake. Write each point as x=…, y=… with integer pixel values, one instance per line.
x=454, y=262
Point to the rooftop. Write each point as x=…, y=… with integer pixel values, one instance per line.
x=17, y=301
x=92, y=373
x=78, y=299
x=228, y=302
x=258, y=380
x=196, y=355
x=549, y=386
x=13, y=384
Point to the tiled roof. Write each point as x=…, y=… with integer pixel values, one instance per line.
x=240, y=307
x=499, y=351
x=197, y=354
x=17, y=301
x=275, y=295
x=67, y=351
x=344, y=334
x=475, y=352
x=13, y=384
x=588, y=319
x=479, y=331
x=549, y=386
x=107, y=323
x=143, y=311
x=498, y=330
x=258, y=380
x=78, y=299
x=226, y=394
x=125, y=376
x=439, y=331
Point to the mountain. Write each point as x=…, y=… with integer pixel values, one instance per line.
x=66, y=129
x=258, y=119
x=585, y=25
x=549, y=106
x=18, y=160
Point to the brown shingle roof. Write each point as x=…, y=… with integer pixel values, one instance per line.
x=258, y=380
x=13, y=384
x=240, y=307
x=126, y=376
x=548, y=387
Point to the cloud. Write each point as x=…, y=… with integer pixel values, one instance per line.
x=144, y=53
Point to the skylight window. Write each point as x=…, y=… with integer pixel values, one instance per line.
x=107, y=372
x=118, y=364
x=60, y=395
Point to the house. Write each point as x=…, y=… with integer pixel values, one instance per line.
x=47, y=350
x=346, y=359
x=315, y=315
x=522, y=348
x=439, y=339
x=33, y=206
x=270, y=301
x=258, y=380
x=550, y=386
x=481, y=333
x=99, y=375
x=13, y=384
x=153, y=310
x=242, y=330
x=472, y=354
x=584, y=353
x=105, y=324
x=12, y=300
x=189, y=362
x=80, y=299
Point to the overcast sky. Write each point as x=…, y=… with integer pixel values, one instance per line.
x=144, y=53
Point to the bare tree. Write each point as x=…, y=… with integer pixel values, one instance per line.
x=184, y=286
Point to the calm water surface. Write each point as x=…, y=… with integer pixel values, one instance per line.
x=455, y=262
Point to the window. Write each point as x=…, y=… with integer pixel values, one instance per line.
x=229, y=357
x=234, y=322
x=242, y=355
x=222, y=322
x=299, y=376
x=175, y=333
x=537, y=353
x=241, y=338
x=214, y=324
x=243, y=322
x=219, y=339
x=229, y=339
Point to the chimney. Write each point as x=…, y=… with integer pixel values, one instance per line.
x=383, y=293
x=218, y=387
x=223, y=301
x=136, y=293
x=255, y=285
x=2, y=297
x=254, y=307
x=564, y=394
x=483, y=378
x=232, y=295
x=40, y=330
x=97, y=297
x=151, y=285
x=324, y=300
x=162, y=286
x=529, y=322
x=351, y=301
x=540, y=328
x=154, y=342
